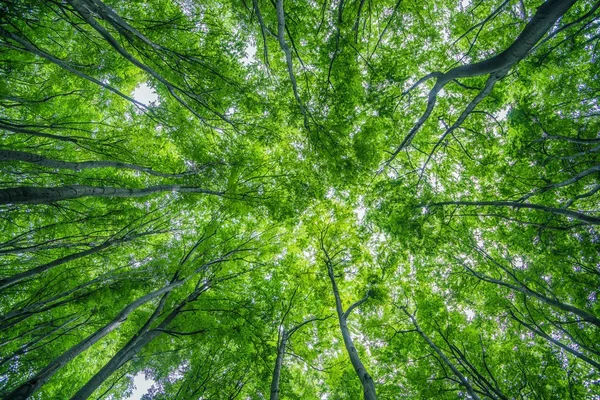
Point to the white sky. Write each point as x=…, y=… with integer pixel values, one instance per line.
x=145, y=94
x=141, y=385
x=250, y=54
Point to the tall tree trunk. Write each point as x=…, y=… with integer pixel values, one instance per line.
x=278, y=364
x=365, y=379
x=11, y=280
x=141, y=339
x=543, y=20
x=29, y=387
x=46, y=195
x=497, y=66
x=514, y=204
x=11, y=155
x=459, y=375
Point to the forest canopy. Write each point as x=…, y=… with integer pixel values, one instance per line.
x=345, y=199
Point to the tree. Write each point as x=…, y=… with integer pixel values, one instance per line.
x=190, y=190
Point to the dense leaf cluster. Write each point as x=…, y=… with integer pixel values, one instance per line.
x=313, y=199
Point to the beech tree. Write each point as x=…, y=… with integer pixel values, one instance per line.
x=300, y=200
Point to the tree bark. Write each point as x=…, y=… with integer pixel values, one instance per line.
x=29, y=387
x=497, y=66
x=144, y=336
x=558, y=211
x=461, y=377
x=278, y=364
x=46, y=195
x=11, y=155
x=365, y=379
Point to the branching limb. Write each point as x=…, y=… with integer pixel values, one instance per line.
x=288, y=57
x=558, y=211
x=263, y=31
x=545, y=17
x=573, y=179
x=356, y=304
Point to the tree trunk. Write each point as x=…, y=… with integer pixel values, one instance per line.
x=141, y=339
x=11, y=280
x=46, y=195
x=278, y=365
x=459, y=375
x=126, y=353
x=365, y=379
x=543, y=20
x=497, y=66
x=557, y=211
x=123, y=356
x=29, y=387
x=11, y=155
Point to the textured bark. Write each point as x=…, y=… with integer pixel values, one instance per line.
x=11, y=155
x=46, y=195
x=365, y=379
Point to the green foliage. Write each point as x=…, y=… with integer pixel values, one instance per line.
x=472, y=252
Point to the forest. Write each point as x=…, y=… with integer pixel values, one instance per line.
x=299, y=199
